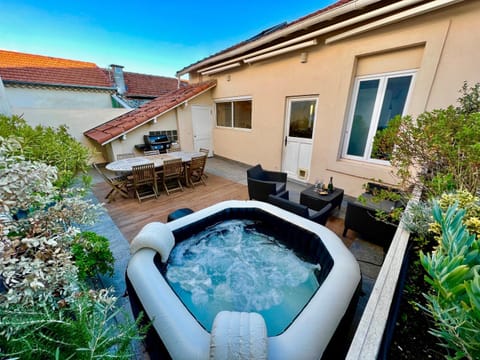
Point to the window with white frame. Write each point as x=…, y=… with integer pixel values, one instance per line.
x=234, y=113
x=376, y=100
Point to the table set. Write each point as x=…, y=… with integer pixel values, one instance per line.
x=125, y=165
x=317, y=199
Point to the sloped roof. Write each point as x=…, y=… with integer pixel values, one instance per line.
x=264, y=34
x=146, y=86
x=113, y=129
x=46, y=70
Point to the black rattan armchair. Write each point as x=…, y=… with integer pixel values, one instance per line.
x=282, y=201
x=262, y=183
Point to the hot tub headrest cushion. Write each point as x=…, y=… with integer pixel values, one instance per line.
x=156, y=236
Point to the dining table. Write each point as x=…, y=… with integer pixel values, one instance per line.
x=125, y=165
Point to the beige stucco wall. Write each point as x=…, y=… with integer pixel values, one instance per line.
x=20, y=97
x=77, y=120
x=443, y=43
x=167, y=121
x=185, y=126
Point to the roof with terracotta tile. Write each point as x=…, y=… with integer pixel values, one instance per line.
x=146, y=86
x=46, y=70
x=113, y=129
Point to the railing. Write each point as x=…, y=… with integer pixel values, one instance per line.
x=369, y=334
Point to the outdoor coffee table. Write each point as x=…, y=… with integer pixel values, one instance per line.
x=316, y=201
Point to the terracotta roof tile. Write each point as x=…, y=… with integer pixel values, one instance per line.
x=146, y=86
x=38, y=69
x=112, y=129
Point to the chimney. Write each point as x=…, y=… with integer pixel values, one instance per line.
x=117, y=71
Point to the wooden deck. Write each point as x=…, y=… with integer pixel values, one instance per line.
x=130, y=215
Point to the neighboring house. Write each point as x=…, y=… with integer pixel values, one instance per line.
x=53, y=91
x=136, y=89
x=308, y=97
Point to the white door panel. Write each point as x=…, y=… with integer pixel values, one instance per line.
x=202, y=123
x=299, y=123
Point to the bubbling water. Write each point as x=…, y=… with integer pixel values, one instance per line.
x=232, y=266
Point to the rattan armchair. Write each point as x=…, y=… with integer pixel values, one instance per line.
x=262, y=183
x=282, y=201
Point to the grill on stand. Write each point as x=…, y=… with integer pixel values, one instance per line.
x=159, y=142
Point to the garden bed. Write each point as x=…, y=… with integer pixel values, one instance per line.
x=411, y=337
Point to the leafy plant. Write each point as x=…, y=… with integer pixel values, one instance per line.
x=55, y=147
x=385, y=139
x=378, y=193
x=453, y=272
x=470, y=99
x=84, y=328
x=44, y=310
x=440, y=149
x=92, y=255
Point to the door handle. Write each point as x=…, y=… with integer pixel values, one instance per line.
x=285, y=141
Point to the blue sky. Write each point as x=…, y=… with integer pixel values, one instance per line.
x=152, y=37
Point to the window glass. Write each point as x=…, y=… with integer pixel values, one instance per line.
x=242, y=117
x=237, y=114
x=224, y=114
x=394, y=99
x=362, y=117
x=378, y=100
x=302, y=117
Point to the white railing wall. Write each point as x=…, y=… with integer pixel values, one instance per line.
x=368, y=336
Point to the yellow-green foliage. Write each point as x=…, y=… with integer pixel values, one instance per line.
x=466, y=201
x=453, y=272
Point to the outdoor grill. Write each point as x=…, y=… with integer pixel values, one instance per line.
x=159, y=142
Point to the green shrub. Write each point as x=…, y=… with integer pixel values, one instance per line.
x=440, y=149
x=92, y=255
x=44, y=311
x=84, y=328
x=55, y=147
x=453, y=272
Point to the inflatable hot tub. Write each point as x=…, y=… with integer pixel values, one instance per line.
x=178, y=334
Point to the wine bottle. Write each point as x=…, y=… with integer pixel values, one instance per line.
x=330, y=184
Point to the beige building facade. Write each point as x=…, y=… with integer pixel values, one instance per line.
x=348, y=82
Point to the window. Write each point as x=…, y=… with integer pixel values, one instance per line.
x=301, y=117
x=236, y=114
x=377, y=100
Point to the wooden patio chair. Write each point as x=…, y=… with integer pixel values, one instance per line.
x=174, y=147
x=195, y=170
x=151, y=152
x=144, y=181
x=206, y=152
x=172, y=174
x=125, y=156
x=118, y=184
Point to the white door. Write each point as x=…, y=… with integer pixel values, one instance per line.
x=202, y=123
x=299, y=123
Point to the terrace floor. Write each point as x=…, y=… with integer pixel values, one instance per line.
x=124, y=218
